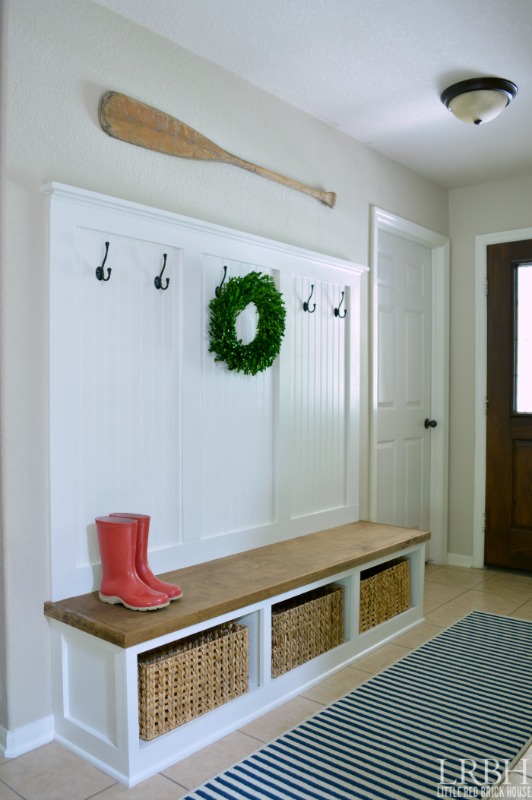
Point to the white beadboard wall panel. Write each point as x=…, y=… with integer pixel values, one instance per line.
x=320, y=399
x=237, y=426
x=142, y=418
x=119, y=378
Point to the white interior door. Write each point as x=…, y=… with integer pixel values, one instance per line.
x=408, y=484
x=403, y=381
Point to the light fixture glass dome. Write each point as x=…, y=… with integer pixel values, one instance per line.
x=479, y=100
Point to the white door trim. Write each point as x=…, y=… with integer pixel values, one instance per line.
x=384, y=221
x=481, y=356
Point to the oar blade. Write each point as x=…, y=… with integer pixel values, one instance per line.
x=131, y=121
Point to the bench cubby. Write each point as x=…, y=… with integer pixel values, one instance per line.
x=384, y=592
x=190, y=677
x=96, y=647
x=306, y=626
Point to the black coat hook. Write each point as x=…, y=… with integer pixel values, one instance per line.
x=100, y=270
x=219, y=288
x=337, y=310
x=158, y=280
x=306, y=306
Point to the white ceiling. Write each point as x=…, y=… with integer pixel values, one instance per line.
x=374, y=69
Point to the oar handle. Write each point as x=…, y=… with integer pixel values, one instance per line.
x=329, y=198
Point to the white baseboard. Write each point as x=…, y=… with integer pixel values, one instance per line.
x=27, y=737
x=457, y=560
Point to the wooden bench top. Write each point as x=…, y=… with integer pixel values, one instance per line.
x=231, y=583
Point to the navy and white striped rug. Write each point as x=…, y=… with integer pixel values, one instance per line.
x=443, y=716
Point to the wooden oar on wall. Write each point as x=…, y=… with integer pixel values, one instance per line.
x=132, y=121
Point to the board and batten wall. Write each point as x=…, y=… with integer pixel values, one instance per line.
x=142, y=416
x=58, y=58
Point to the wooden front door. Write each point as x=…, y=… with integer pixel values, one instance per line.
x=508, y=540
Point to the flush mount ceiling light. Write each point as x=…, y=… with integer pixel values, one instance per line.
x=479, y=99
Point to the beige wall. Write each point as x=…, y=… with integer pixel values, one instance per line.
x=489, y=208
x=58, y=57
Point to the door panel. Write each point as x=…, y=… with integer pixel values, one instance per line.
x=508, y=539
x=522, y=488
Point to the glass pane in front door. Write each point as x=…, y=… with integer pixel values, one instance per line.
x=523, y=339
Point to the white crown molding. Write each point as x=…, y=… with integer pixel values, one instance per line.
x=96, y=200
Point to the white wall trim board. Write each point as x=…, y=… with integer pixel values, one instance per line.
x=143, y=419
x=458, y=560
x=14, y=743
x=138, y=211
x=481, y=326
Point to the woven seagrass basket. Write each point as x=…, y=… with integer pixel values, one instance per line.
x=384, y=592
x=187, y=678
x=306, y=626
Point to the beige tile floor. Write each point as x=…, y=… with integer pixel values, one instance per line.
x=53, y=773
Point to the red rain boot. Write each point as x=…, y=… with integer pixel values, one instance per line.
x=141, y=559
x=117, y=538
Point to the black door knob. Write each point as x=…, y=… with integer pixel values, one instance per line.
x=430, y=423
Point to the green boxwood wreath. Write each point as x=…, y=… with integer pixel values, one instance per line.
x=232, y=299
